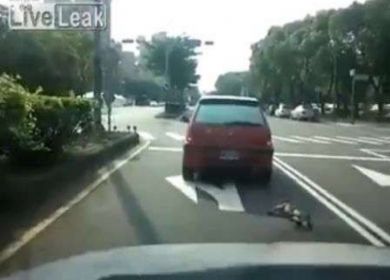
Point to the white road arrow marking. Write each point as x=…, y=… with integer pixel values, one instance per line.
x=227, y=197
x=186, y=188
x=381, y=179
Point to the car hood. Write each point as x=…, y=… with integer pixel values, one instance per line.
x=170, y=259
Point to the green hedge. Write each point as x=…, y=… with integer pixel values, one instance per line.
x=34, y=126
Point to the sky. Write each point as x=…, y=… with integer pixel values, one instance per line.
x=233, y=25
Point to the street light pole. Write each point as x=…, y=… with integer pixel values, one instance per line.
x=335, y=70
x=352, y=73
x=97, y=91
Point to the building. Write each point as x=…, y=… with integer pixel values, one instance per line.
x=3, y=13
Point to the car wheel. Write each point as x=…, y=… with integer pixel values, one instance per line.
x=188, y=174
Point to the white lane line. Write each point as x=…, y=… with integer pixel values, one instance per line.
x=30, y=234
x=331, y=202
x=336, y=140
x=227, y=197
x=375, y=139
x=311, y=140
x=321, y=156
x=146, y=135
x=166, y=149
x=374, y=153
x=359, y=140
x=175, y=136
x=286, y=139
x=186, y=188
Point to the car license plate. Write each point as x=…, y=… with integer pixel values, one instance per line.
x=229, y=155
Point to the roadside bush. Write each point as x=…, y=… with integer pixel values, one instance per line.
x=36, y=127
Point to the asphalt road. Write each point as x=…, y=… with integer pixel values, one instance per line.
x=336, y=173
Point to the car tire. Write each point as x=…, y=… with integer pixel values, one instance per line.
x=188, y=174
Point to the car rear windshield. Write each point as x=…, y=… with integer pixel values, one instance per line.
x=230, y=113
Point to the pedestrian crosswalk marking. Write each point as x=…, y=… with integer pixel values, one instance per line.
x=336, y=140
x=375, y=139
x=359, y=140
x=286, y=139
x=311, y=140
x=175, y=136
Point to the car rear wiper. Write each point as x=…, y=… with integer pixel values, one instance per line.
x=243, y=123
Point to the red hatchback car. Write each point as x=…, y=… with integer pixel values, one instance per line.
x=228, y=132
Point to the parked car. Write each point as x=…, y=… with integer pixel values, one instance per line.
x=271, y=109
x=283, y=111
x=303, y=112
x=228, y=132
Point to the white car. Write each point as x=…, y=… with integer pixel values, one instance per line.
x=303, y=112
x=283, y=111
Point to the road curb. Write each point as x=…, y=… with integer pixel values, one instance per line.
x=27, y=236
x=20, y=189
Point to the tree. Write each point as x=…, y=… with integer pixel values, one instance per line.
x=230, y=83
x=310, y=60
x=59, y=62
x=173, y=57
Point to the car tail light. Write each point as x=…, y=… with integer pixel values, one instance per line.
x=188, y=139
x=269, y=141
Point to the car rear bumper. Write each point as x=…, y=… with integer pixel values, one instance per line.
x=199, y=158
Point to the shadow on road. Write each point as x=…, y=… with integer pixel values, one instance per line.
x=135, y=215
